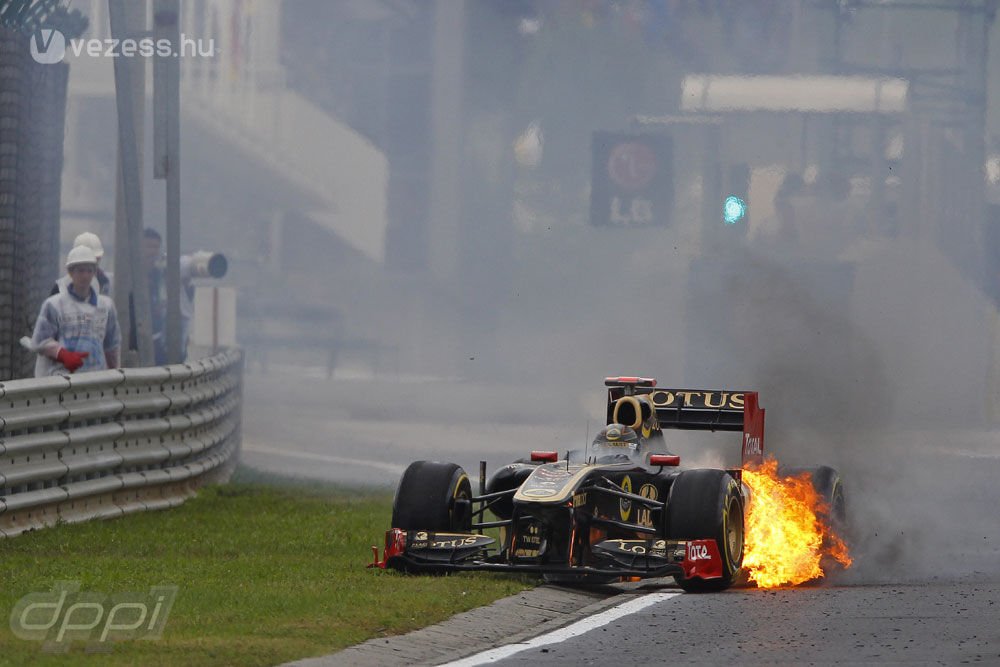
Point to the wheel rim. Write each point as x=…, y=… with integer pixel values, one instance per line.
x=734, y=533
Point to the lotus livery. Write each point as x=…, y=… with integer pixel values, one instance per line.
x=620, y=507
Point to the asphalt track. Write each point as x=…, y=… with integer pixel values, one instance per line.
x=924, y=588
x=941, y=623
x=367, y=431
x=936, y=623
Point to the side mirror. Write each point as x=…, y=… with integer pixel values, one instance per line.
x=546, y=457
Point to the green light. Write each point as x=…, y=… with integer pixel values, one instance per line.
x=733, y=210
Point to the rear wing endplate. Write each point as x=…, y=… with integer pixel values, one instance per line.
x=699, y=409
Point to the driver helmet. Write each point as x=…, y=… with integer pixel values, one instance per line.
x=617, y=435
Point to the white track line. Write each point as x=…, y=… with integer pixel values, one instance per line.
x=323, y=458
x=562, y=634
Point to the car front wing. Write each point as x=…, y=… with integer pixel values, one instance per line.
x=425, y=551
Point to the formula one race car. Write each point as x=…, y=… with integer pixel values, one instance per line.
x=619, y=508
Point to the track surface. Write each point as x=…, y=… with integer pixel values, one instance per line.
x=367, y=432
x=940, y=623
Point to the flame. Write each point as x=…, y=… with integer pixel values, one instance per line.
x=787, y=542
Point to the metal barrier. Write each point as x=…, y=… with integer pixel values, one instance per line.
x=104, y=444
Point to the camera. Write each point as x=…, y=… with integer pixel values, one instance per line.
x=208, y=264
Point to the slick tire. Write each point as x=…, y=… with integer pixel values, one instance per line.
x=510, y=476
x=830, y=487
x=433, y=496
x=707, y=504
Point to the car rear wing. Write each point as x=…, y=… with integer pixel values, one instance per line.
x=699, y=409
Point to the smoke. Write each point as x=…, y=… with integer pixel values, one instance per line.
x=870, y=343
x=851, y=298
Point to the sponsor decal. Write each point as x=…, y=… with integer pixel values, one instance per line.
x=618, y=443
x=549, y=480
x=658, y=548
x=629, y=546
x=545, y=482
x=459, y=542
x=532, y=534
x=698, y=552
x=632, y=165
x=751, y=445
x=631, y=182
x=637, y=547
x=529, y=543
x=644, y=515
x=617, y=435
x=553, y=472
x=625, y=505
x=724, y=400
x=419, y=540
x=540, y=493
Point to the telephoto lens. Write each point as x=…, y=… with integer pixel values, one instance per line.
x=208, y=264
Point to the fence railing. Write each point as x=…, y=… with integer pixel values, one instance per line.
x=113, y=442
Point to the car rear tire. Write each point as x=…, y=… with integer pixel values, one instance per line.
x=433, y=496
x=707, y=504
x=830, y=487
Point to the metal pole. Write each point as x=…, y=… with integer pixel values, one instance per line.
x=711, y=187
x=166, y=91
x=132, y=295
x=974, y=36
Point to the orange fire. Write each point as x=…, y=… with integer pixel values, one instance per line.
x=786, y=539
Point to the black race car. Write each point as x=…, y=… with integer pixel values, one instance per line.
x=616, y=509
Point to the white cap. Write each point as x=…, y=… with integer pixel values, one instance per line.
x=81, y=254
x=92, y=241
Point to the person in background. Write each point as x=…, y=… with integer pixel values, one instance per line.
x=152, y=253
x=102, y=280
x=152, y=244
x=76, y=329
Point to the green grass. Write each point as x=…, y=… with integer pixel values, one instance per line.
x=267, y=571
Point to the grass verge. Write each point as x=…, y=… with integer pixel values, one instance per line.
x=267, y=571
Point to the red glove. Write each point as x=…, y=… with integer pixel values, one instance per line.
x=71, y=360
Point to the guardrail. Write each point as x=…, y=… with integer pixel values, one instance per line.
x=108, y=443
